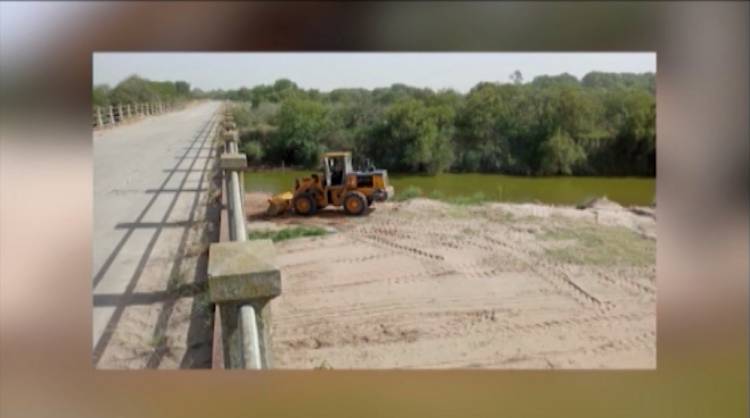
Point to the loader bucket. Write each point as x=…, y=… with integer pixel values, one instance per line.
x=279, y=204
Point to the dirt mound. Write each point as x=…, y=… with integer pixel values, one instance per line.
x=601, y=203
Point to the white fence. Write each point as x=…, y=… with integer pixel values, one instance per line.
x=112, y=115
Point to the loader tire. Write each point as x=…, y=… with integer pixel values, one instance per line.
x=355, y=203
x=304, y=205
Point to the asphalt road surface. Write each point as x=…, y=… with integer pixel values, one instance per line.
x=151, y=180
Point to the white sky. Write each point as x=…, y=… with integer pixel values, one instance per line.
x=327, y=71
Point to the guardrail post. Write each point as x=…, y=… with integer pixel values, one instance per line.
x=119, y=112
x=99, y=122
x=111, y=115
x=242, y=280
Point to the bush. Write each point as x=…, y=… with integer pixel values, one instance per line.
x=287, y=233
x=560, y=154
x=242, y=116
x=253, y=151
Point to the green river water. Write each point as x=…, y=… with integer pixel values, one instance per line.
x=550, y=190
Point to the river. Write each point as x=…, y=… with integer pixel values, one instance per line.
x=627, y=191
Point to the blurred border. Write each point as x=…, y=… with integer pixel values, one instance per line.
x=46, y=202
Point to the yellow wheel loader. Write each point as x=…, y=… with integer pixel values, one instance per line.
x=338, y=185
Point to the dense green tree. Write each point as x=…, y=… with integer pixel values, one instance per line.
x=301, y=125
x=135, y=89
x=601, y=125
x=491, y=125
x=560, y=80
x=413, y=137
x=101, y=95
x=560, y=154
x=182, y=88
x=516, y=77
x=601, y=80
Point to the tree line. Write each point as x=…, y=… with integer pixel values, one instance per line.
x=603, y=124
x=135, y=89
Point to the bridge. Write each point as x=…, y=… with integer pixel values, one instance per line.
x=163, y=199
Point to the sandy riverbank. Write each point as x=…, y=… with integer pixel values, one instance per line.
x=426, y=284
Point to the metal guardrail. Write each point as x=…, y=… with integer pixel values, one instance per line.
x=242, y=277
x=250, y=338
x=112, y=115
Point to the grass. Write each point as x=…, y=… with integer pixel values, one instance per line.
x=474, y=199
x=412, y=192
x=437, y=195
x=287, y=233
x=408, y=193
x=600, y=245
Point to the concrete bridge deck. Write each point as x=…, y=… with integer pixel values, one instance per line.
x=152, y=222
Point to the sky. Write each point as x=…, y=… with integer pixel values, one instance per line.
x=328, y=71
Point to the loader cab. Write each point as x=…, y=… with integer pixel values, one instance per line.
x=337, y=166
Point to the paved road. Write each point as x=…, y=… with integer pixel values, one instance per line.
x=150, y=181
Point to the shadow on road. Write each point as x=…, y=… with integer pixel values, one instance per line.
x=198, y=353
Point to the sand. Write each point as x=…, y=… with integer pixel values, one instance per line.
x=426, y=284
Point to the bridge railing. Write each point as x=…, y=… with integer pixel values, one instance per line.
x=116, y=114
x=242, y=275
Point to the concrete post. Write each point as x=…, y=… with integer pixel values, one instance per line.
x=130, y=113
x=99, y=122
x=242, y=280
x=119, y=113
x=111, y=115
